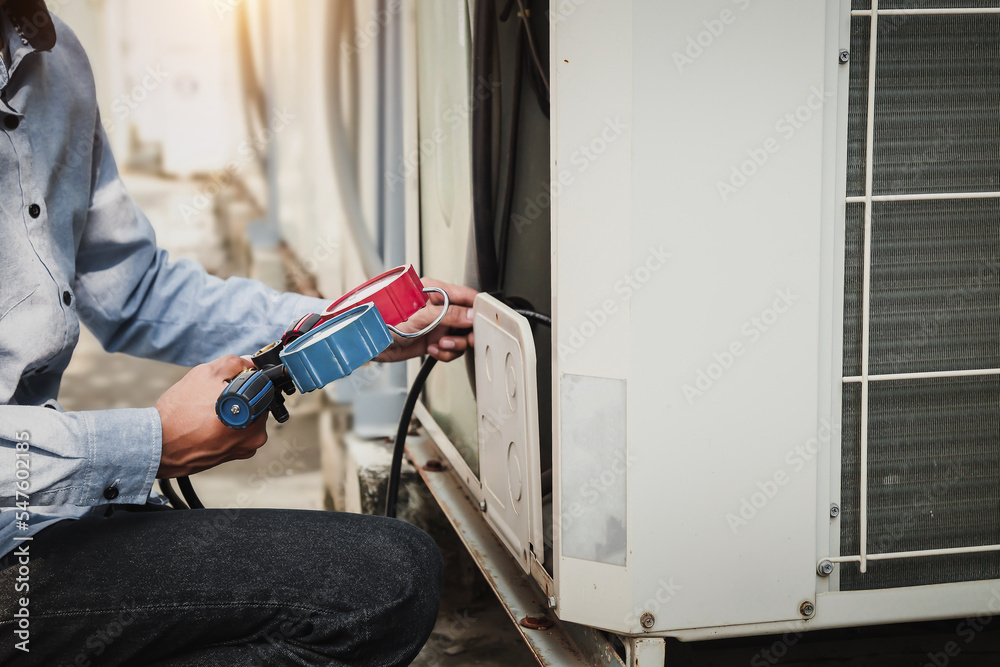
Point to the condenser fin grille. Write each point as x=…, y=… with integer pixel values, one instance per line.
x=933, y=466
x=920, y=469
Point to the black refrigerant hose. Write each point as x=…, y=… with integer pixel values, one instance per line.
x=489, y=262
x=506, y=203
x=193, y=501
x=483, y=210
x=395, y=471
x=187, y=489
x=392, y=491
x=167, y=489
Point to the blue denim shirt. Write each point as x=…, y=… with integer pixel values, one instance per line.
x=75, y=248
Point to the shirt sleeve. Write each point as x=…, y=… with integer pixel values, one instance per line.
x=79, y=458
x=136, y=300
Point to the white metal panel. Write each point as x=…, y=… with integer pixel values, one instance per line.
x=723, y=406
x=670, y=280
x=591, y=79
x=507, y=413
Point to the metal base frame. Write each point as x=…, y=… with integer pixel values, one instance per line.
x=645, y=652
x=559, y=644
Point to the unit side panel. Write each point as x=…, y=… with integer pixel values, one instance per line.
x=724, y=381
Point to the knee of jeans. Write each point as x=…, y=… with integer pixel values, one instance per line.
x=409, y=549
x=423, y=563
x=429, y=555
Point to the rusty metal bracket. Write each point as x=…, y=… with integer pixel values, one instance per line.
x=558, y=644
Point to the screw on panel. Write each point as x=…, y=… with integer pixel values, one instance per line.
x=647, y=620
x=235, y=409
x=482, y=505
x=552, y=602
x=825, y=568
x=807, y=609
x=835, y=510
x=844, y=56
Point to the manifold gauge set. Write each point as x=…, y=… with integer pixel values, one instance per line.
x=318, y=349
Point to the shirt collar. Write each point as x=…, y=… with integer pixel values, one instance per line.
x=33, y=24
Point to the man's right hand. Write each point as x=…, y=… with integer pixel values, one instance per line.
x=193, y=437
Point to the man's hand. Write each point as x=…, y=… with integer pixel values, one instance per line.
x=193, y=437
x=450, y=339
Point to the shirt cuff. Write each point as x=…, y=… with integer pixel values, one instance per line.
x=124, y=448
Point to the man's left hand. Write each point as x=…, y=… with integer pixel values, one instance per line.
x=450, y=339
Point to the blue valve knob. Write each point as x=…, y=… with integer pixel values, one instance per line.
x=247, y=397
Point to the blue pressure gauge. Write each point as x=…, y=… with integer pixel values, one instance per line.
x=336, y=348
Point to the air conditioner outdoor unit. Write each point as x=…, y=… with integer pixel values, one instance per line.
x=776, y=319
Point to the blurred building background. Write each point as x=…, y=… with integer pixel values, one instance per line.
x=234, y=97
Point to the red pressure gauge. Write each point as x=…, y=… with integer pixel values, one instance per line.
x=397, y=293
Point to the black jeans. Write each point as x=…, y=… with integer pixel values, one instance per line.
x=224, y=587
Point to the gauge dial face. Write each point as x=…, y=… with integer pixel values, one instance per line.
x=366, y=291
x=325, y=331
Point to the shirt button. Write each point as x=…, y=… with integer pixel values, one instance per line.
x=67, y=298
x=11, y=122
x=110, y=493
x=34, y=210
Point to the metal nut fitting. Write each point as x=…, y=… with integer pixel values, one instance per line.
x=807, y=609
x=552, y=602
x=825, y=568
x=647, y=620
